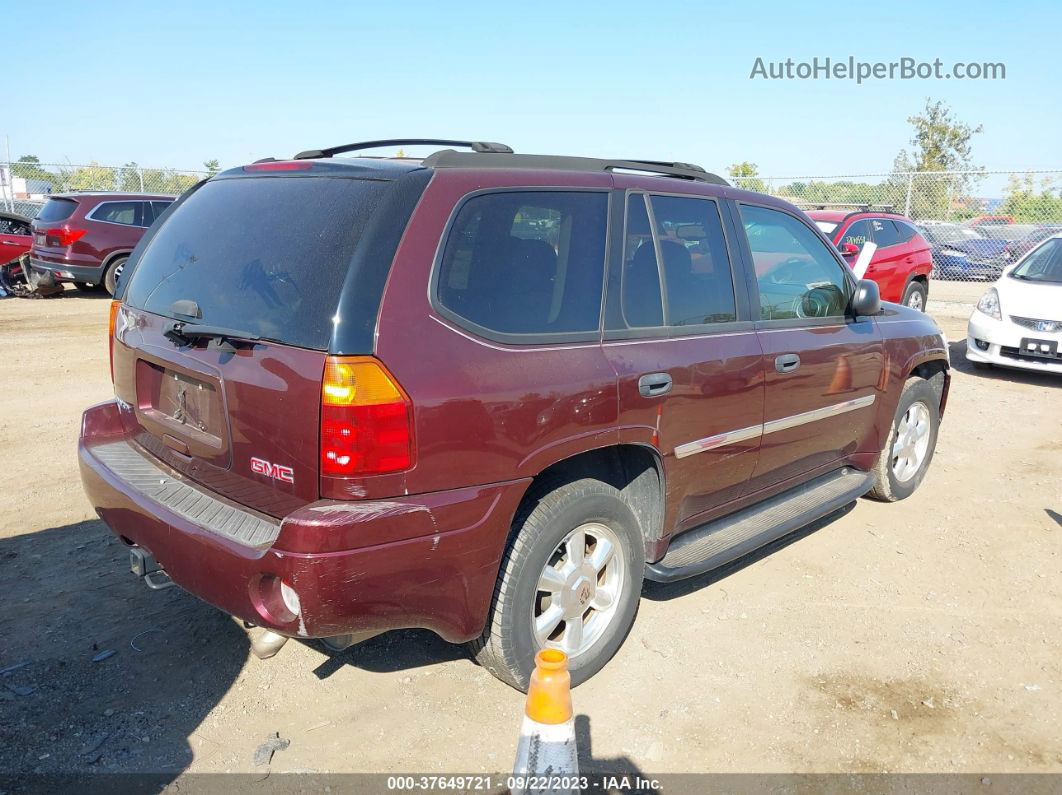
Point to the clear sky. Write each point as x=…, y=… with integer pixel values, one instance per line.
x=173, y=84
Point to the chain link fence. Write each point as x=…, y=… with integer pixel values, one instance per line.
x=24, y=187
x=977, y=222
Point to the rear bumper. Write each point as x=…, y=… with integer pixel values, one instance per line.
x=68, y=271
x=428, y=561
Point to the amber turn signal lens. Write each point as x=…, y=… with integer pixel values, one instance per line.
x=115, y=306
x=358, y=381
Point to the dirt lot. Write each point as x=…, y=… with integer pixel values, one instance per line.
x=921, y=636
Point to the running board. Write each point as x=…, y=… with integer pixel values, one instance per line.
x=726, y=539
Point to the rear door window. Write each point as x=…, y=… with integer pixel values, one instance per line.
x=57, y=210
x=125, y=213
x=642, y=301
x=526, y=263
x=885, y=232
x=263, y=255
x=698, y=286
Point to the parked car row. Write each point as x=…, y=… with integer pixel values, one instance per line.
x=84, y=238
x=981, y=251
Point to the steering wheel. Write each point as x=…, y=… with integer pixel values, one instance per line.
x=785, y=272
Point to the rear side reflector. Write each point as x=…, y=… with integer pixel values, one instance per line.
x=280, y=165
x=366, y=419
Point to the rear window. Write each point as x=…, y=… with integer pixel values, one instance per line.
x=57, y=210
x=263, y=255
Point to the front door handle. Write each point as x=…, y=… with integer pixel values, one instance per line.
x=654, y=384
x=787, y=363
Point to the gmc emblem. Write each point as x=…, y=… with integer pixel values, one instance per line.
x=275, y=471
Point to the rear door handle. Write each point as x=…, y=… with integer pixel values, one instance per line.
x=787, y=363
x=654, y=384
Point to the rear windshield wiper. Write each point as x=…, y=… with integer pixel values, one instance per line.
x=181, y=333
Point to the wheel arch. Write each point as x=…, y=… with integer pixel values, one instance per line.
x=635, y=470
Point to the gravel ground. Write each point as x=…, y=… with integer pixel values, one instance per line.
x=923, y=636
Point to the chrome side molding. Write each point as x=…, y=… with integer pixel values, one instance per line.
x=785, y=423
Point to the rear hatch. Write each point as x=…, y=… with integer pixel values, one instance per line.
x=53, y=232
x=265, y=258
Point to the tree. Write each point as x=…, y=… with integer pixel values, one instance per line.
x=90, y=177
x=1029, y=205
x=212, y=167
x=129, y=178
x=28, y=167
x=746, y=175
x=940, y=142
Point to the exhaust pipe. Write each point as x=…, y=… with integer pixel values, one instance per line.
x=266, y=643
x=338, y=643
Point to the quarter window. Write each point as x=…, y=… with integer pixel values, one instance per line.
x=527, y=262
x=797, y=275
x=158, y=208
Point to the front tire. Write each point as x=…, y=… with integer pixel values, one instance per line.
x=912, y=440
x=571, y=579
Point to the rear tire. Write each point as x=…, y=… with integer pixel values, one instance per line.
x=915, y=296
x=908, y=451
x=114, y=270
x=556, y=539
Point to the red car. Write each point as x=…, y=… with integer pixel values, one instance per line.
x=15, y=239
x=86, y=238
x=903, y=260
x=488, y=394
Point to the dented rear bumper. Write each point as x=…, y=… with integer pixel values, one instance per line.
x=428, y=560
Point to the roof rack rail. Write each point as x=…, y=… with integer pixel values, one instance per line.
x=448, y=158
x=475, y=146
x=861, y=206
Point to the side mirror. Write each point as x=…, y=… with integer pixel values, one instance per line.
x=848, y=249
x=867, y=299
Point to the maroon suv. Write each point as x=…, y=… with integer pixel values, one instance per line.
x=488, y=394
x=86, y=238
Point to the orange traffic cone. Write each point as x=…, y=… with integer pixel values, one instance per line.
x=546, y=757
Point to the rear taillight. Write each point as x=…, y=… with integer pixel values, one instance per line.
x=110, y=334
x=366, y=419
x=66, y=235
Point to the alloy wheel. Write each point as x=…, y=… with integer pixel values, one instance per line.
x=912, y=442
x=579, y=589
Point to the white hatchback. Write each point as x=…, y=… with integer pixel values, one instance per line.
x=1018, y=322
